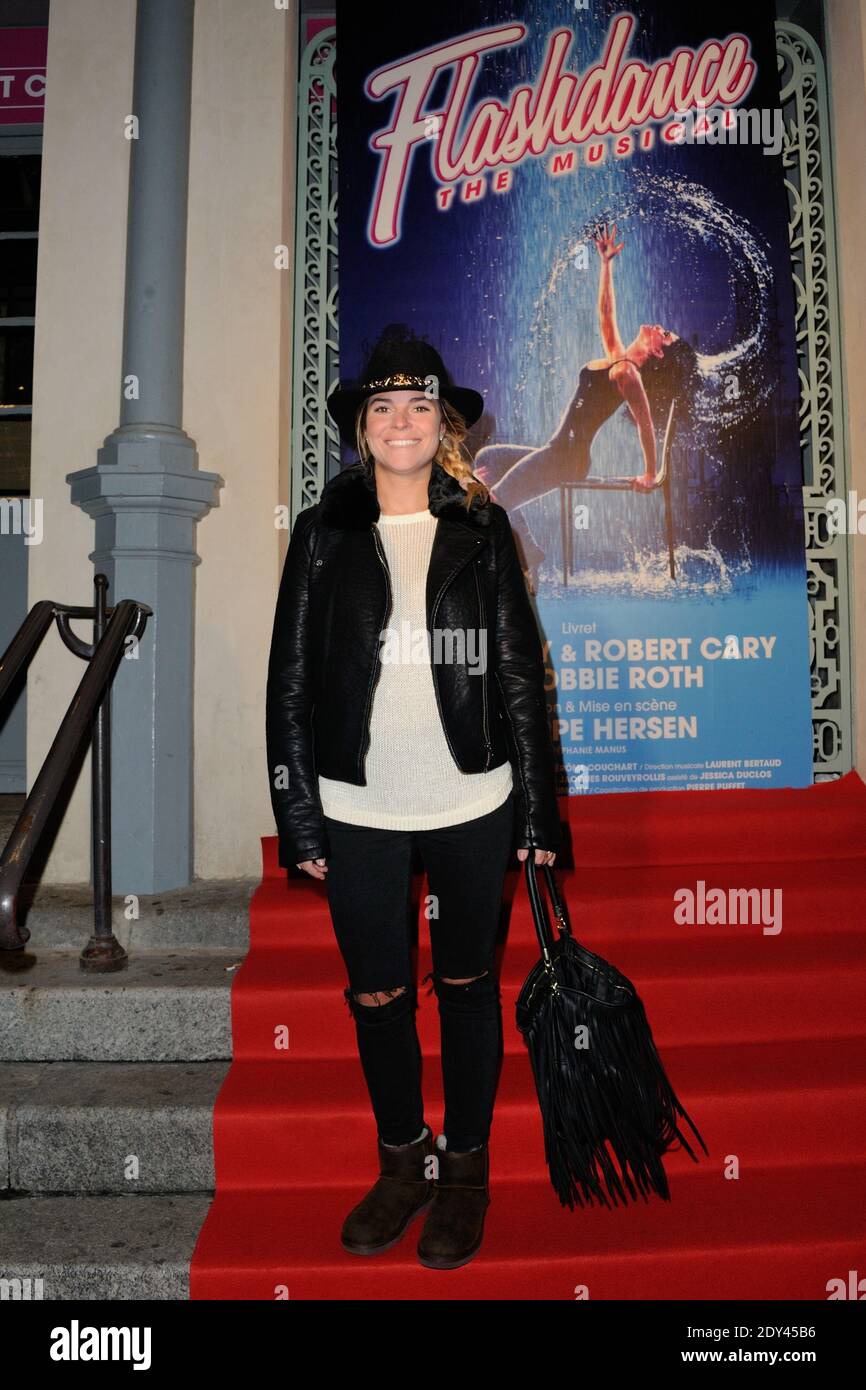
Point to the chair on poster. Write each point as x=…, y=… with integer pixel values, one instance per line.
x=663, y=481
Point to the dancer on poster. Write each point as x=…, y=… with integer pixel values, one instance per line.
x=645, y=375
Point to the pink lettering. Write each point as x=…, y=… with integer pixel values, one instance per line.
x=561, y=108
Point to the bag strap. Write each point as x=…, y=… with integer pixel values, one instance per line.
x=539, y=908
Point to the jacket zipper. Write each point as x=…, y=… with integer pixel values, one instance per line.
x=436, y=602
x=482, y=628
x=377, y=670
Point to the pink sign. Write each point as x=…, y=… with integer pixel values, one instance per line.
x=314, y=26
x=22, y=75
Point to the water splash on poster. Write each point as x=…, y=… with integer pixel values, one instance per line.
x=685, y=221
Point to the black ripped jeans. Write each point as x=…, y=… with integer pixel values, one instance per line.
x=369, y=895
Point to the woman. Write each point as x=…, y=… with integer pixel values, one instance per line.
x=370, y=756
x=655, y=366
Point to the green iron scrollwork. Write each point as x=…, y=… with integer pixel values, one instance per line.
x=315, y=441
x=812, y=234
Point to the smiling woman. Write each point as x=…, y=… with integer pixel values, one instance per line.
x=406, y=423
x=385, y=756
x=402, y=430
x=396, y=429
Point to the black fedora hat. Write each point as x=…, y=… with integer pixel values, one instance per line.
x=398, y=360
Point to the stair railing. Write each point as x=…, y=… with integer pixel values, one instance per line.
x=88, y=714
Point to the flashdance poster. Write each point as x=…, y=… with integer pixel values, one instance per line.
x=582, y=207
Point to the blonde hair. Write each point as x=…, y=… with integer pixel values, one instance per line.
x=448, y=453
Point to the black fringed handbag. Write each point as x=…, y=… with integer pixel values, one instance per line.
x=599, y=1078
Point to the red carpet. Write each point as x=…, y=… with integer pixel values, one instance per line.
x=763, y=1037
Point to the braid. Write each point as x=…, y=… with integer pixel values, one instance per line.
x=453, y=461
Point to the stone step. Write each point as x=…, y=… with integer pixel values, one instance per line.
x=166, y=1006
x=211, y=913
x=117, y=1127
x=99, y=1247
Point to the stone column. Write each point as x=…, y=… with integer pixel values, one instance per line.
x=146, y=491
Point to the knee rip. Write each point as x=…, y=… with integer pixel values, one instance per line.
x=380, y=996
x=373, y=999
x=448, y=980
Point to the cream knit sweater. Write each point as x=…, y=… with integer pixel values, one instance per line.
x=413, y=783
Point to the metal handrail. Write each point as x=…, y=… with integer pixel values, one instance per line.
x=88, y=711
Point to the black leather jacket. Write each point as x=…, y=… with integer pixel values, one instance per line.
x=333, y=603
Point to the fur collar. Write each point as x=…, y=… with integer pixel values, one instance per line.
x=350, y=501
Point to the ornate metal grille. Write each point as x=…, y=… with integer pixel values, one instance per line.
x=812, y=233
x=315, y=440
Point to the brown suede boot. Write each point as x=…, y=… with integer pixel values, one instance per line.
x=454, y=1227
x=400, y=1192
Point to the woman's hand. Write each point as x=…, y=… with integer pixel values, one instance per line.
x=542, y=856
x=316, y=868
x=605, y=242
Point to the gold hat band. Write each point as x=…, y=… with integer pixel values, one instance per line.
x=398, y=379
